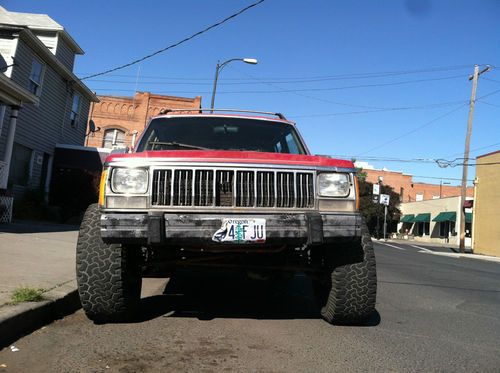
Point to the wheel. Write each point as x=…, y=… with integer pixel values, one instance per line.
x=348, y=291
x=108, y=276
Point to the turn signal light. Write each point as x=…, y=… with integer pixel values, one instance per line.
x=102, y=187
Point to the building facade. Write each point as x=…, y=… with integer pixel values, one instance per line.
x=120, y=121
x=486, y=227
x=42, y=102
x=435, y=220
x=411, y=191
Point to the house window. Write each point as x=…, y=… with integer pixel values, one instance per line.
x=75, y=110
x=114, y=138
x=20, y=166
x=35, y=80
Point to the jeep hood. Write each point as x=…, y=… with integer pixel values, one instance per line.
x=223, y=156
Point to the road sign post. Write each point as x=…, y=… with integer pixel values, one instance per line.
x=384, y=200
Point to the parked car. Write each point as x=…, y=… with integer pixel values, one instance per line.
x=225, y=189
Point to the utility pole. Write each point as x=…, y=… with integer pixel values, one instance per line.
x=474, y=79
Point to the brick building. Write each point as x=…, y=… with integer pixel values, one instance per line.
x=122, y=119
x=411, y=191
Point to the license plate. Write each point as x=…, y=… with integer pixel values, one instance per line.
x=241, y=231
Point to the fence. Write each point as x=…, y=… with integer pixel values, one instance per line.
x=6, y=209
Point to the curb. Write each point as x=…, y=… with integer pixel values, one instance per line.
x=22, y=319
x=468, y=256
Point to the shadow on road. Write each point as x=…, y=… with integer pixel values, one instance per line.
x=229, y=294
x=36, y=227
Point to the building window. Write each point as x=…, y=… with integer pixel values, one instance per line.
x=36, y=75
x=422, y=228
x=20, y=166
x=114, y=138
x=446, y=228
x=75, y=110
x=419, y=197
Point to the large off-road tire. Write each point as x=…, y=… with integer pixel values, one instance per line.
x=108, y=276
x=348, y=292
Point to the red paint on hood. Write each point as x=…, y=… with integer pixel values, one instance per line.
x=226, y=156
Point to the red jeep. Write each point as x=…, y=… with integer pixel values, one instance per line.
x=230, y=190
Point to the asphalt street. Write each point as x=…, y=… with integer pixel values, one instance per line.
x=434, y=313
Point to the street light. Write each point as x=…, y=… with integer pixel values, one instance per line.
x=220, y=66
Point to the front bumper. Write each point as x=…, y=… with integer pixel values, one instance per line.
x=169, y=229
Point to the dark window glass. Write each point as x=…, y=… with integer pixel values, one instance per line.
x=35, y=81
x=19, y=173
x=221, y=133
x=75, y=110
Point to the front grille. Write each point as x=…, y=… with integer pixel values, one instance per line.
x=233, y=188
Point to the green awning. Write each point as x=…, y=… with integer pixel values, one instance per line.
x=407, y=218
x=446, y=216
x=468, y=217
x=425, y=218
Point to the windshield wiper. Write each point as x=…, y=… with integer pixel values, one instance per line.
x=179, y=145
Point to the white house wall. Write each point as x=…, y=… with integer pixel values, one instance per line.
x=434, y=207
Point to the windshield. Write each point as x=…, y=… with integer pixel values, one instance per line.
x=219, y=133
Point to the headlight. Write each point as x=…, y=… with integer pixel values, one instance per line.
x=333, y=185
x=129, y=180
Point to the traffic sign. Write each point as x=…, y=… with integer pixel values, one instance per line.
x=376, y=189
x=384, y=199
x=375, y=199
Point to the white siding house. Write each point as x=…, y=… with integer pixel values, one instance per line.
x=42, y=103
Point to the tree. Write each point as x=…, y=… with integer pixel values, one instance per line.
x=373, y=211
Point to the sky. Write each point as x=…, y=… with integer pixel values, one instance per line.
x=370, y=80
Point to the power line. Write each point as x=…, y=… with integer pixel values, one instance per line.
x=365, y=75
x=415, y=130
x=489, y=94
x=473, y=150
x=492, y=80
x=429, y=106
x=177, y=43
x=489, y=103
x=292, y=90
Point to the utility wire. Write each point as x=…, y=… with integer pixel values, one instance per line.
x=488, y=94
x=366, y=75
x=177, y=43
x=429, y=106
x=416, y=129
x=287, y=90
x=473, y=150
x=308, y=96
x=489, y=103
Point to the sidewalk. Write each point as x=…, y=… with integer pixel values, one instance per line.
x=36, y=255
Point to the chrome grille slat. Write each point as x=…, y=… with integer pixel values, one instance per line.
x=232, y=188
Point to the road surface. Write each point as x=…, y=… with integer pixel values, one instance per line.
x=434, y=313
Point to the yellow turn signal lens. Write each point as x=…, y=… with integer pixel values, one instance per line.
x=102, y=187
x=356, y=186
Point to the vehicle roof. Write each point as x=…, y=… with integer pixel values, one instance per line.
x=242, y=116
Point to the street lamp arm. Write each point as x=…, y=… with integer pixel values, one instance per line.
x=220, y=66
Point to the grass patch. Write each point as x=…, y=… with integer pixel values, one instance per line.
x=26, y=295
